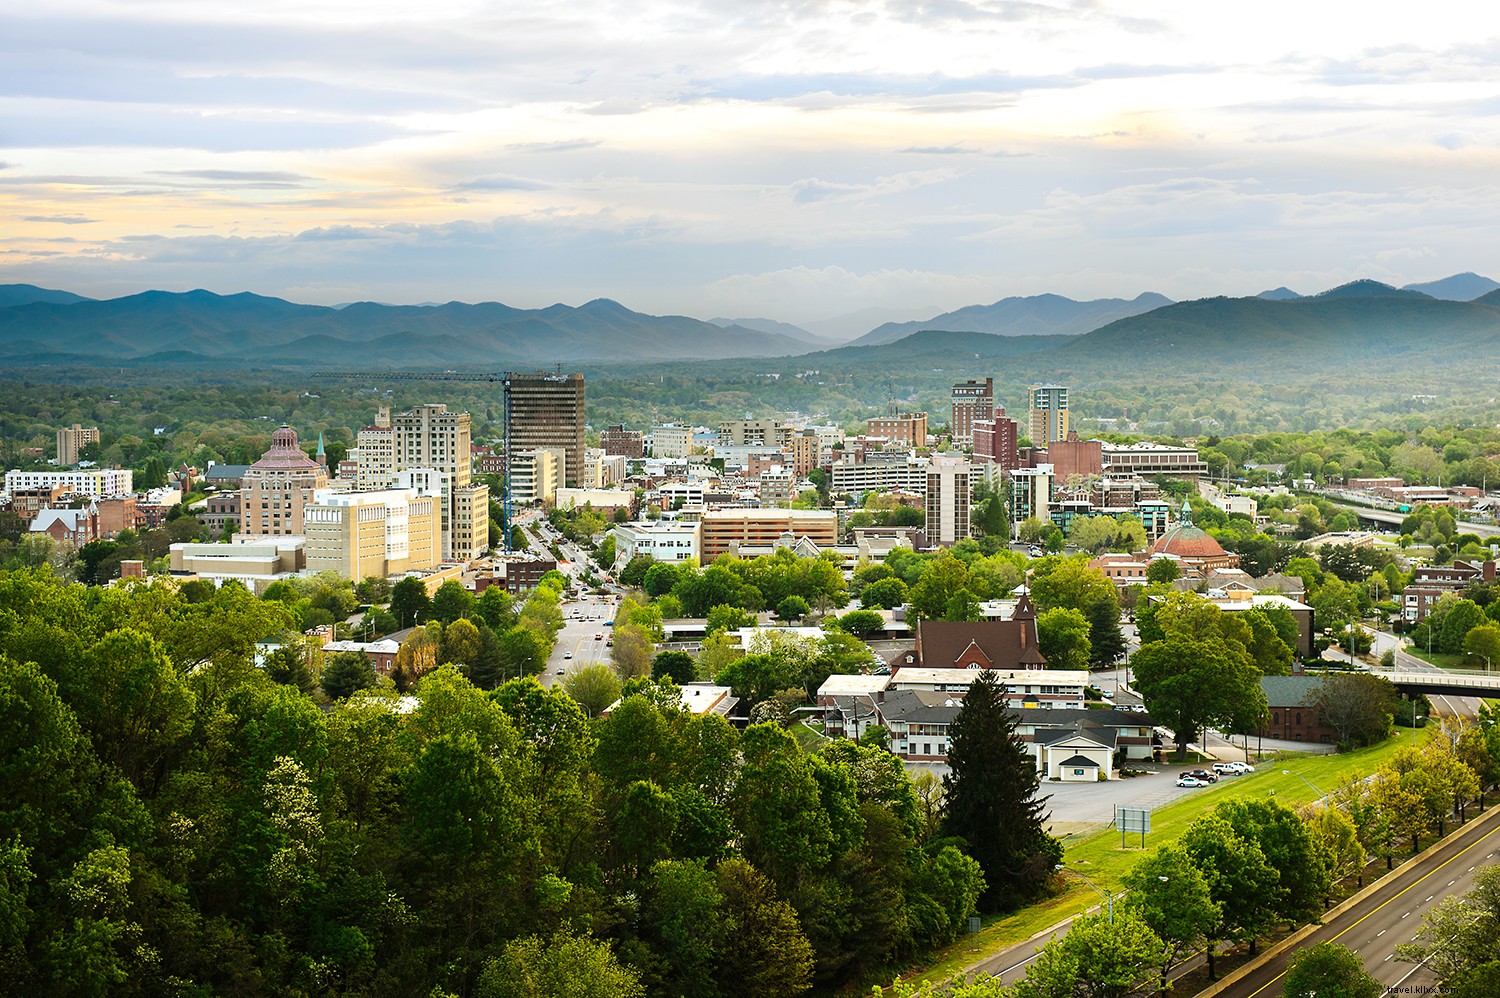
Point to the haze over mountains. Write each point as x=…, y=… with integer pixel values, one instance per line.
x=1277, y=328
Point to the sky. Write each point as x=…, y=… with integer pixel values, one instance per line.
x=793, y=159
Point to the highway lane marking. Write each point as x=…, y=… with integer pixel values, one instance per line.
x=1382, y=904
x=1408, y=913
x=1381, y=933
x=1451, y=882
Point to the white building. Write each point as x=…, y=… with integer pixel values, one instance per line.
x=665, y=540
x=1052, y=688
x=101, y=483
x=851, y=477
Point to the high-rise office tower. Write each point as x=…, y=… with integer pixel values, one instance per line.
x=431, y=437
x=971, y=401
x=1049, y=413
x=546, y=410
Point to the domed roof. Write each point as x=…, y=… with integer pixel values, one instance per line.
x=284, y=454
x=1187, y=541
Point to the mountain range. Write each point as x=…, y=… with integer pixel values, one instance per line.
x=1037, y=315
x=202, y=328
x=1275, y=331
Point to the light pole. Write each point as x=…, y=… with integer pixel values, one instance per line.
x=1322, y=797
x=1108, y=897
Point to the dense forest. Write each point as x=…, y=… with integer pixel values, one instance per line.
x=177, y=821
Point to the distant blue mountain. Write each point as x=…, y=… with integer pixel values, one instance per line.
x=1279, y=294
x=248, y=328
x=1037, y=315
x=25, y=294
x=1460, y=287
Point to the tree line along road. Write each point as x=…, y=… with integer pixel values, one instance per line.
x=1390, y=914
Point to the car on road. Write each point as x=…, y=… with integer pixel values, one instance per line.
x=567, y=654
x=1190, y=781
x=599, y=636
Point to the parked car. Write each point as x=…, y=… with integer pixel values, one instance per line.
x=1242, y=767
x=1204, y=775
x=1190, y=781
x=1227, y=768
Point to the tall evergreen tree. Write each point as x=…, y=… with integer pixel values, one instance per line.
x=991, y=796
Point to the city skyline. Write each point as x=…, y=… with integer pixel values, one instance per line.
x=709, y=159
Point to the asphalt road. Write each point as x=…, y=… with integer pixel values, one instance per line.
x=1391, y=915
x=1372, y=929
x=583, y=639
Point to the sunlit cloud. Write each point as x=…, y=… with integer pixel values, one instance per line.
x=714, y=157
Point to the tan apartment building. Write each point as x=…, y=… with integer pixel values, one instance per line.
x=1048, y=412
x=804, y=450
x=375, y=453
x=671, y=440
x=724, y=531
x=754, y=433
x=71, y=440
x=948, y=496
x=380, y=534
x=536, y=475
x=431, y=437
x=907, y=429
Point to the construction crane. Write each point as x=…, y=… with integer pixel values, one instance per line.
x=507, y=507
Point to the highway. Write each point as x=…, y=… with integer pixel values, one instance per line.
x=1391, y=914
x=1372, y=928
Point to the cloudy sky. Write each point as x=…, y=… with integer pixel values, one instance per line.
x=796, y=159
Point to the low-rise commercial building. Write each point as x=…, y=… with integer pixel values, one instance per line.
x=380, y=533
x=672, y=541
x=97, y=483
x=723, y=531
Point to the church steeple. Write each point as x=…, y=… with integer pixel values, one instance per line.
x=322, y=456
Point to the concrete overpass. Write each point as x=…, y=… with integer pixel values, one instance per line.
x=1443, y=682
x=1392, y=519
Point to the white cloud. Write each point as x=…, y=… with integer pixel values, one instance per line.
x=711, y=155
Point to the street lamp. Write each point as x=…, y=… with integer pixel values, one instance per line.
x=1108, y=897
x=1322, y=797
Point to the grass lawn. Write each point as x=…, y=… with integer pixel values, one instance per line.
x=1100, y=857
x=1444, y=660
x=807, y=736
